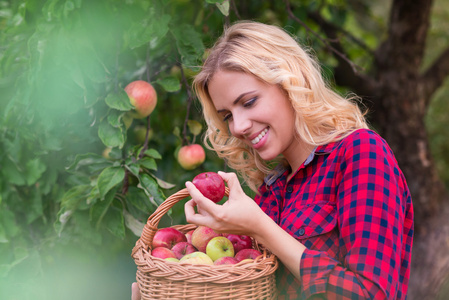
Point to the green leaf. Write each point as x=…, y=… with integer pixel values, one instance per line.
x=35, y=207
x=194, y=127
x=132, y=223
x=137, y=198
x=35, y=168
x=87, y=159
x=111, y=136
x=119, y=101
x=190, y=44
x=11, y=172
x=150, y=186
x=73, y=196
x=109, y=178
x=148, y=163
x=133, y=168
x=170, y=84
x=163, y=184
x=114, y=222
x=223, y=7
x=8, y=220
x=151, y=29
x=153, y=153
x=99, y=209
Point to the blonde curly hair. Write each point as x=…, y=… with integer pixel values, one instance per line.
x=274, y=57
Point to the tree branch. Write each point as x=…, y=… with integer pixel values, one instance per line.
x=336, y=51
x=346, y=73
x=435, y=75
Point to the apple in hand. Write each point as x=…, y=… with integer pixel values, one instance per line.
x=211, y=185
x=226, y=260
x=191, y=156
x=247, y=254
x=240, y=242
x=142, y=96
x=168, y=237
x=219, y=247
x=197, y=258
x=183, y=248
x=201, y=236
x=162, y=252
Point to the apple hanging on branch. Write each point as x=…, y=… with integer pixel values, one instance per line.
x=143, y=97
x=191, y=156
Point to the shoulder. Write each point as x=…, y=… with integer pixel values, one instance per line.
x=365, y=140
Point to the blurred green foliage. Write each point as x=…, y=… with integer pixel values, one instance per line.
x=69, y=216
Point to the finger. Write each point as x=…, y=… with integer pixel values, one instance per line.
x=201, y=201
x=135, y=291
x=189, y=208
x=231, y=179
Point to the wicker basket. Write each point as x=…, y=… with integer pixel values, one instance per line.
x=160, y=279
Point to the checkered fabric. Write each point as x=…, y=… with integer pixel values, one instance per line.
x=349, y=204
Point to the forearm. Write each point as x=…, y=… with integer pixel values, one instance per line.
x=286, y=248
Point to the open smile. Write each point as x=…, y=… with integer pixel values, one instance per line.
x=259, y=137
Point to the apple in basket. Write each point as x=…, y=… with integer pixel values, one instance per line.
x=197, y=258
x=162, y=252
x=240, y=242
x=226, y=260
x=211, y=185
x=247, y=254
x=189, y=235
x=201, y=236
x=219, y=247
x=183, y=248
x=168, y=237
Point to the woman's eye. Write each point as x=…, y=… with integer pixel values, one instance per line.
x=250, y=102
x=227, y=117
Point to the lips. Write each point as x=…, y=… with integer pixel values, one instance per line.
x=259, y=137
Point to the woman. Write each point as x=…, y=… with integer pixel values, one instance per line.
x=331, y=203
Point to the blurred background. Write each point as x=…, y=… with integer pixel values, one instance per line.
x=80, y=175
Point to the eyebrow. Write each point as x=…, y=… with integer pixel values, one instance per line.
x=236, y=100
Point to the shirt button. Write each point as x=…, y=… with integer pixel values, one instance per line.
x=290, y=189
x=301, y=231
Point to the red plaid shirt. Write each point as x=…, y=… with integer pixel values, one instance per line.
x=349, y=204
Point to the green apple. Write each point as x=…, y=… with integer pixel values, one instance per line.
x=197, y=258
x=201, y=236
x=219, y=247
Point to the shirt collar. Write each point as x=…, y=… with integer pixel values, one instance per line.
x=281, y=168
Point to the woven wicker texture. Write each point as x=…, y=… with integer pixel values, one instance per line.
x=160, y=279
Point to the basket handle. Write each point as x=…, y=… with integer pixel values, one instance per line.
x=150, y=228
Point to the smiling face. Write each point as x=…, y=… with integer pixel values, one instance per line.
x=257, y=113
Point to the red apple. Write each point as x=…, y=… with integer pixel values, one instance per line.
x=162, y=252
x=191, y=156
x=211, y=185
x=142, y=96
x=168, y=237
x=201, y=236
x=226, y=260
x=247, y=253
x=219, y=247
x=240, y=242
x=189, y=235
x=183, y=248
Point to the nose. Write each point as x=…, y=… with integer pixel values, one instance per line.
x=240, y=125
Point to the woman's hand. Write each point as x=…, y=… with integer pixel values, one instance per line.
x=239, y=215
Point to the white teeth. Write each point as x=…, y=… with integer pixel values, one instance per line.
x=259, y=137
